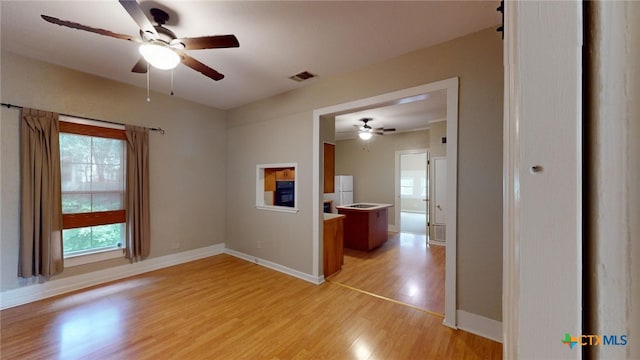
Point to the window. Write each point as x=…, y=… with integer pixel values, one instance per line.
x=406, y=186
x=93, y=186
x=276, y=187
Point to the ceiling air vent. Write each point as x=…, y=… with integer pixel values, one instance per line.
x=305, y=75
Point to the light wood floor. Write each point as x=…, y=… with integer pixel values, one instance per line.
x=226, y=308
x=403, y=269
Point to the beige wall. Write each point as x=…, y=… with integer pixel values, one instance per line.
x=279, y=129
x=187, y=164
x=283, y=238
x=372, y=165
x=437, y=131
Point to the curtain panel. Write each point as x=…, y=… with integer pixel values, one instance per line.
x=137, y=193
x=40, y=249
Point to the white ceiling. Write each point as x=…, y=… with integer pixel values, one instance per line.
x=412, y=114
x=277, y=40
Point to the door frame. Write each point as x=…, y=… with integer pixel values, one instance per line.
x=542, y=177
x=398, y=200
x=451, y=86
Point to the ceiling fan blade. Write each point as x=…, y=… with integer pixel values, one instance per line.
x=140, y=67
x=138, y=16
x=209, y=42
x=77, y=26
x=200, y=67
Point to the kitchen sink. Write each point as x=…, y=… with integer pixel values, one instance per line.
x=362, y=206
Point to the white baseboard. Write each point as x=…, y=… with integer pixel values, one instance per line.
x=27, y=294
x=480, y=325
x=392, y=228
x=277, y=267
x=438, y=243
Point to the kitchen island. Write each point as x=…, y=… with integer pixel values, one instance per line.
x=365, y=225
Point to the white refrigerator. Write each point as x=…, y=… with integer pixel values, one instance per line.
x=344, y=190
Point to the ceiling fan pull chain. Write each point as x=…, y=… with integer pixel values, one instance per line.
x=171, y=82
x=148, y=71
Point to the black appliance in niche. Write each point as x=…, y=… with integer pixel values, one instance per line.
x=285, y=191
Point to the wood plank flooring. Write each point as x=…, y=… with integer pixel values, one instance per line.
x=226, y=308
x=403, y=269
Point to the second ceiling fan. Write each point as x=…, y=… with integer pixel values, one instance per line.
x=160, y=47
x=365, y=132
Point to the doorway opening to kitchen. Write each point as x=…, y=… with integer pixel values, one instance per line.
x=372, y=154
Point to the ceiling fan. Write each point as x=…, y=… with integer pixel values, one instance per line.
x=160, y=47
x=365, y=132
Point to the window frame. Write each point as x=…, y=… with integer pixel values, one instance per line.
x=71, y=125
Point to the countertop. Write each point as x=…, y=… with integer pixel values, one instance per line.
x=370, y=206
x=331, y=216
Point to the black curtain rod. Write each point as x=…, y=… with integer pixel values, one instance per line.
x=161, y=130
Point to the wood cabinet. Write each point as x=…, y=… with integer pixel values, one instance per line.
x=329, y=167
x=365, y=229
x=269, y=179
x=286, y=174
x=271, y=175
x=333, y=244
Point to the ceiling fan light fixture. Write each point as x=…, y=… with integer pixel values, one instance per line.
x=365, y=135
x=159, y=56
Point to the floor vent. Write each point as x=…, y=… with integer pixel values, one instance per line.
x=439, y=233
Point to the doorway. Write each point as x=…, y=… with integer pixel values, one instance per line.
x=412, y=192
x=450, y=86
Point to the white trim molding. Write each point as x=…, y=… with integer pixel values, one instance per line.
x=31, y=293
x=317, y=280
x=510, y=187
x=480, y=325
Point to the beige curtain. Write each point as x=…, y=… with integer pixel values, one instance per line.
x=41, y=205
x=137, y=198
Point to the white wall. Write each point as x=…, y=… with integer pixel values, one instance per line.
x=187, y=164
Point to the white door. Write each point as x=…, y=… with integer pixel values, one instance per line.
x=439, y=190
